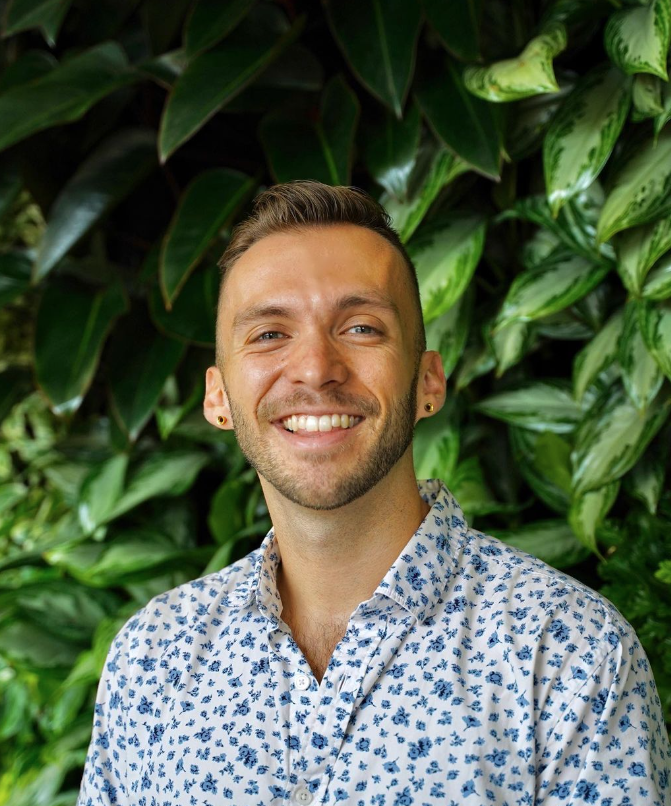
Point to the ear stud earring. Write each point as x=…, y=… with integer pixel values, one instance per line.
x=428, y=407
x=220, y=419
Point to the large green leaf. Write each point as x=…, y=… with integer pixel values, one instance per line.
x=658, y=283
x=103, y=180
x=637, y=38
x=645, y=481
x=640, y=192
x=15, y=271
x=314, y=146
x=139, y=362
x=646, y=97
x=637, y=250
x=210, y=21
x=434, y=169
x=64, y=94
x=552, y=541
x=208, y=204
x=655, y=323
x=31, y=65
x=528, y=74
x=597, y=355
x=544, y=459
x=10, y=182
x=583, y=133
x=227, y=509
x=34, y=648
x=458, y=25
x=510, y=344
x=611, y=438
x=192, y=318
x=445, y=255
x=539, y=406
x=378, y=40
x=641, y=376
x=435, y=446
x=588, y=511
x=448, y=333
x=196, y=97
x=390, y=150
x=467, y=125
x=100, y=492
x=22, y=15
x=72, y=324
x=550, y=287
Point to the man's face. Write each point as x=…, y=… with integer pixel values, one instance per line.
x=318, y=323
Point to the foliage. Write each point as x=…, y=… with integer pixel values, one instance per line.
x=523, y=152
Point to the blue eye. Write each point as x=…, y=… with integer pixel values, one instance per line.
x=262, y=336
x=365, y=327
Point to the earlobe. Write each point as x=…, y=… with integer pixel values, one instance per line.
x=431, y=391
x=216, y=409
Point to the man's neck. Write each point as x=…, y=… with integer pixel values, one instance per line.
x=333, y=560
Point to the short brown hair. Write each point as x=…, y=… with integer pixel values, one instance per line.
x=305, y=203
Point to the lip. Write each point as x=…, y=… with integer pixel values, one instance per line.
x=314, y=440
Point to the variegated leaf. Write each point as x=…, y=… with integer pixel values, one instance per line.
x=583, y=132
x=588, y=511
x=470, y=488
x=640, y=192
x=658, y=284
x=597, y=355
x=646, y=97
x=434, y=168
x=445, y=255
x=510, y=344
x=550, y=287
x=655, y=323
x=448, y=333
x=544, y=459
x=612, y=437
x=436, y=446
x=552, y=541
x=539, y=247
x=637, y=250
x=640, y=374
x=477, y=360
x=646, y=479
x=530, y=73
x=665, y=115
x=540, y=406
x=637, y=38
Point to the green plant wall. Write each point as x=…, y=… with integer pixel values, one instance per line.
x=523, y=150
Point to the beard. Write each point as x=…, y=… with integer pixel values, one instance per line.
x=318, y=483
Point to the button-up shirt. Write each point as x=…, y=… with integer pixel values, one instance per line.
x=475, y=674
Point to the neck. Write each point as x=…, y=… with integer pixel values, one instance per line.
x=332, y=560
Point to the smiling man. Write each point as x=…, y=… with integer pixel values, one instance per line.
x=374, y=649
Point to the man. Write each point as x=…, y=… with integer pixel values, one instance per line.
x=373, y=650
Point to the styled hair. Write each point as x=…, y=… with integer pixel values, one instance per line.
x=301, y=204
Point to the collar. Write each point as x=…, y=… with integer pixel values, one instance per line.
x=416, y=580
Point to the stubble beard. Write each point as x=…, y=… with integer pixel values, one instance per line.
x=309, y=487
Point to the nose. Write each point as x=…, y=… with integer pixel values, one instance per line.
x=317, y=362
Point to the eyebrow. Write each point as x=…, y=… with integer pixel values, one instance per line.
x=268, y=311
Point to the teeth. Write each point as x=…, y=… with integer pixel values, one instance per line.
x=325, y=422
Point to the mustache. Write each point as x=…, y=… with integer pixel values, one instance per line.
x=360, y=405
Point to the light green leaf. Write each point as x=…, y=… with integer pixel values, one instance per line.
x=645, y=481
x=550, y=287
x=544, y=459
x=530, y=73
x=655, y=323
x=640, y=192
x=100, y=492
x=378, y=39
x=601, y=351
x=445, y=255
x=207, y=205
x=477, y=360
x=469, y=487
x=102, y=180
x=434, y=169
x=588, y=511
x=646, y=97
x=637, y=38
x=665, y=115
x=539, y=247
x=435, y=447
x=196, y=97
x=583, y=133
x=641, y=376
x=227, y=508
x=611, y=438
x=64, y=94
x=552, y=541
x=540, y=406
x=638, y=249
x=510, y=344
x=658, y=283
x=448, y=333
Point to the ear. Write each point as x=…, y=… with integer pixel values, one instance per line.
x=215, y=402
x=431, y=384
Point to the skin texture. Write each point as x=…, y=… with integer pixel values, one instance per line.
x=342, y=513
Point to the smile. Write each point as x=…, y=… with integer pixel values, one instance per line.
x=324, y=422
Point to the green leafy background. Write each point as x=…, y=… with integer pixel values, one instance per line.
x=524, y=153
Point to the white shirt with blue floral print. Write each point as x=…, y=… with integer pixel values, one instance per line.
x=474, y=675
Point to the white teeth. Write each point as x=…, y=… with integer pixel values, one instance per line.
x=344, y=421
x=324, y=422
x=335, y=420
x=301, y=421
x=311, y=423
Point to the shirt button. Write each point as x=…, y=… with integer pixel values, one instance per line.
x=302, y=795
x=302, y=683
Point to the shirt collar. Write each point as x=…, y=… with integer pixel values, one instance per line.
x=416, y=580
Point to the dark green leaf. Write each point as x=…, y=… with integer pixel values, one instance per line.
x=210, y=21
x=193, y=316
x=226, y=516
x=22, y=15
x=435, y=446
x=544, y=459
x=458, y=25
x=448, y=333
x=15, y=271
x=596, y=356
x=655, y=323
x=641, y=376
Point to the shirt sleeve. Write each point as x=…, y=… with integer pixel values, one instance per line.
x=609, y=746
x=104, y=782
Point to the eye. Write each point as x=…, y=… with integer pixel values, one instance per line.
x=268, y=335
x=362, y=328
